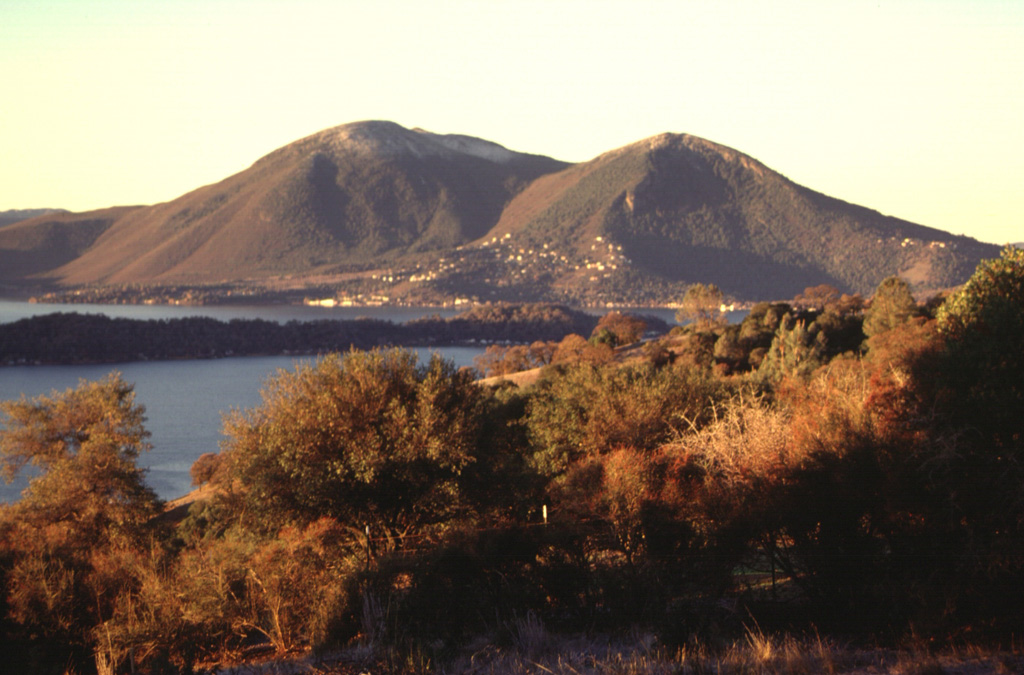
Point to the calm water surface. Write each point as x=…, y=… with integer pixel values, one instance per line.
x=12, y=310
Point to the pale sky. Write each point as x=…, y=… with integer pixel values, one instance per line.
x=915, y=109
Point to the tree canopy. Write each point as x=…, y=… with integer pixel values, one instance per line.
x=891, y=305
x=365, y=437
x=983, y=323
x=84, y=443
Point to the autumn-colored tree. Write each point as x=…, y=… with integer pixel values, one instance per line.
x=542, y=352
x=75, y=538
x=817, y=297
x=625, y=328
x=503, y=360
x=590, y=410
x=205, y=468
x=570, y=349
x=903, y=390
x=506, y=359
x=575, y=349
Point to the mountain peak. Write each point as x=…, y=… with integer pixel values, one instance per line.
x=676, y=141
x=388, y=139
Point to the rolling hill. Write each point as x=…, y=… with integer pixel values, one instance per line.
x=17, y=215
x=453, y=215
x=31, y=249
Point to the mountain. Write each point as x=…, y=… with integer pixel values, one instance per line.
x=361, y=192
x=379, y=210
x=683, y=209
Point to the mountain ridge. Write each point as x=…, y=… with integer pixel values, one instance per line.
x=639, y=221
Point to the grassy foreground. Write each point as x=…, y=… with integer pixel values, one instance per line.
x=534, y=651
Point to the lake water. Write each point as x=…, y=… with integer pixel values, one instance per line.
x=12, y=310
x=185, y=400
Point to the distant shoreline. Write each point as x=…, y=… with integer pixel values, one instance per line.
x=71, y=338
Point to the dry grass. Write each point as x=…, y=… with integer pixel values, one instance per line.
x=757, y=654
x=536, y=652
x=521, y=379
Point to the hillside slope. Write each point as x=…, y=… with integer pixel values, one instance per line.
x=17, y=215
x=682, y=209
x=345, y=196
x=34, y=248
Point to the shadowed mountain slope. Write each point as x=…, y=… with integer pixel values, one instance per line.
x=349, y=195
x=684, y=209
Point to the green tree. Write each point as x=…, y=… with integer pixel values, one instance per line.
x=798, y=349
x=990, y=304
x=982, y=379
x=891, y=305
x=366, y=438
x=983, y=323
x=701, y=304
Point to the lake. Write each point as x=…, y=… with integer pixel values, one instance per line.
x=12, y=310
